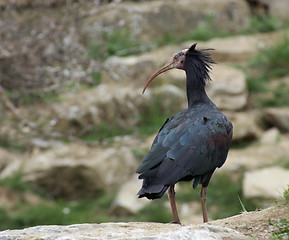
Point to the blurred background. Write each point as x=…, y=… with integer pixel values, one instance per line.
x=75, y=126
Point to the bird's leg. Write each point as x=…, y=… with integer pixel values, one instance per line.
x=203, y=200
x=171, y=194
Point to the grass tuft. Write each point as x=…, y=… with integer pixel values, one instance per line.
x=286, y=195
x=273, y=61
x=281, y=229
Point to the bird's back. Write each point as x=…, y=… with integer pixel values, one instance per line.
x=190, y=145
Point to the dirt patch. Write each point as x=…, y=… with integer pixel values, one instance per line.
x=256, y=224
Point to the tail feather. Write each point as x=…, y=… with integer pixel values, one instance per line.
x=156, y=181
x=152, y=191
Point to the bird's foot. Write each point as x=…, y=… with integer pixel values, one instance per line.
x=176, y=222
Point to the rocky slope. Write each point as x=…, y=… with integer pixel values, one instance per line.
x=43, y=49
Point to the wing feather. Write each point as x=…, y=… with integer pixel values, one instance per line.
x=187, y=146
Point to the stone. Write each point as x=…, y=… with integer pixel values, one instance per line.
x=245, y=125
x=37, y=50
x=154, y=19
x=239, y=48
x=136, y=70
x=276, y=117
x=228, y=90
x=126, y=201
x=6, y=157
x=113, y=105
x=266, y=183
x=271, y=136
x=169, y=97
x=231, y=49
x=132, y=231
x=257, y=155
x=190, y=212
x=132, y=69
x=73, y=170
x=11, y=198
x=106, y=103
x=278, y=8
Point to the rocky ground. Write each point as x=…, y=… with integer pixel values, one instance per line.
x=248, y=225
x=57, y=102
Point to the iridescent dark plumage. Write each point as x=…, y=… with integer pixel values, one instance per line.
x=194, y=142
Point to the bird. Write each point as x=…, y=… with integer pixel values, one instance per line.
x=192, y=144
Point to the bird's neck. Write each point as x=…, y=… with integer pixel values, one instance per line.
x=196, y=92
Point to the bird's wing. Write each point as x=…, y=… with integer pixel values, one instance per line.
x=187, y=148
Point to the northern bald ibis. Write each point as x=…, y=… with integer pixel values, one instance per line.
x=191, y=144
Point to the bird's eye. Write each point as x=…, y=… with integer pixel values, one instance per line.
x=175, y=57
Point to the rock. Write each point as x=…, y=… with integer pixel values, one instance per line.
x=276, y=117
x=190, y=212
x=126, y=201
x=257, y=155
x=245, y=125
x=45, y=51
x=113, y=105
x=278, y=8
x=239, y=48
x=228, y=90
x=255, y=223
x=103, y=104
x=271, y=136
x=231, y=49
x=131, y=231
x=137, y=69
x=6, y=157
x=73, y=171
x=44, y=144
x=267, y=182
x=28, y=3
x=154, y=19
x=169, y=97
x=132, y=69
x=10, y=198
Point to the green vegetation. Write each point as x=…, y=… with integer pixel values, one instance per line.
x=157, y=117
x=105, y=131
x=286, y=195
x=281, y=229
x=146, y=126
x=222, y=192
x=271, y=62
x=97, y=209
x=279, y=97
x=57, y=212
x=15, y=183
x=120, y=41
x=113, y=43
x=11, y=146
x=264, y=23
x=96, y=78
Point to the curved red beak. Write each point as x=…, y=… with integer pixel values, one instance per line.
x=166, y=67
